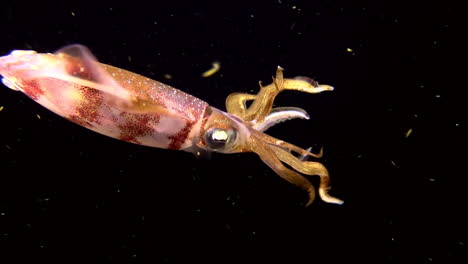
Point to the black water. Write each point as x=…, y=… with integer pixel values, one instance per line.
x=69, y=195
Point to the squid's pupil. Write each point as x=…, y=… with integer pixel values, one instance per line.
x=217, y=138
x=219, y=135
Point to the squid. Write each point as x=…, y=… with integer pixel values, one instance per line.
x=121, y=104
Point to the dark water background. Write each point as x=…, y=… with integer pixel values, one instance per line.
x=69, y=195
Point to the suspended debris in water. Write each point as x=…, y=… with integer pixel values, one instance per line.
x=408, y=133
x=216, y=66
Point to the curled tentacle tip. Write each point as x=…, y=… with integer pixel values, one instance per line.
x=328, y=198
x=320, y=154
x=336, y=201
x=325, y=87
x=305, y=155
x=311, y=193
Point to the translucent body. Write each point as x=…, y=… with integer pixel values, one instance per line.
x=136, y=109
x=105, y=99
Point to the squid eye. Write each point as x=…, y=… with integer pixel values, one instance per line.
x=217, y=138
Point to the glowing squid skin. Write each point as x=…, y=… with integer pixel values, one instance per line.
x=133, y=108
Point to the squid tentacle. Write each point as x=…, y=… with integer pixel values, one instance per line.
x=261, y=109
x=305, y=157
x=309, y=168
x=286, y=146
x=280, y=114
x=263, y=104
x=236, y=103
x=268, y=156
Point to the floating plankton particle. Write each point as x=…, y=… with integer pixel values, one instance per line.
x=408, y=133
x=216, y=66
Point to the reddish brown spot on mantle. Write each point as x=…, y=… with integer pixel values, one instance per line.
x=178, y=139
x=32, y=89
x=90, y=106
x=136, y=125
